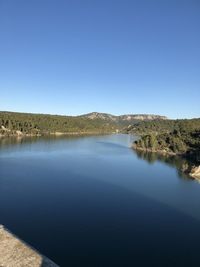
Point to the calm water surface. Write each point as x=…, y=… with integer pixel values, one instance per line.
x=92, y=201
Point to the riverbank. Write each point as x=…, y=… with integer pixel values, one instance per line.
x=159, y=151
x=16, y=134
x=192, y=169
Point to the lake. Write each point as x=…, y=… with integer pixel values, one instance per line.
x=93, y=201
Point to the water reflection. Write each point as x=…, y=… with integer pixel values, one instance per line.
x=6, y=142
x=182, y=165
x=18, y=142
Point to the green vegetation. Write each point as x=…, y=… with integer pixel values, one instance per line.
x=172, y=137
x=163, y=126
x=12, y=123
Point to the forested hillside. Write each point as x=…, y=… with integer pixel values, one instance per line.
x=12, y=123
x=172, y=137
x=163, y=126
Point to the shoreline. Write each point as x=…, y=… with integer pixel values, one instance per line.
x=54, y=134
x=192, y=170
x=163, y=152
x=16, y=252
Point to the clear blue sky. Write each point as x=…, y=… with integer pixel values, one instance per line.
x=78, y=56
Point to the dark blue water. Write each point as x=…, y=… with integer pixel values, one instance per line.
x=92, y=201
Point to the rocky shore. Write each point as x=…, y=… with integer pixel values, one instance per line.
x=195, y=172
x=15, y=253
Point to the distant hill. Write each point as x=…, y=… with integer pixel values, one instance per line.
x=15, y=123
x=98, y=115
x=123, y=119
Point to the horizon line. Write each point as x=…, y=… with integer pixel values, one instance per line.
x=82, y=114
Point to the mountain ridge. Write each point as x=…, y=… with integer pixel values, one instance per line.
x=124, y=117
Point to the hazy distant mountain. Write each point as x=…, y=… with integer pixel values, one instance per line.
x=129, y=118
x=98, y=115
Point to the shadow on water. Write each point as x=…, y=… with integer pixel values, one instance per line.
x=109, y=231
x=181, y=164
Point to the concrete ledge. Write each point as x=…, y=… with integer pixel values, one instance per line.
x=16, y=253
